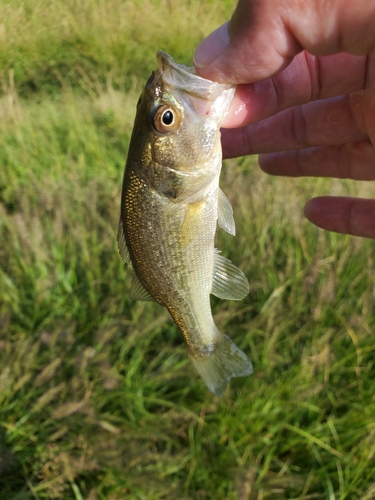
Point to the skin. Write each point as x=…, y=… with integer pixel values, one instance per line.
x=306, y=95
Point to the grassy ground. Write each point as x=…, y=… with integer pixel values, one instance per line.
x=97, y=397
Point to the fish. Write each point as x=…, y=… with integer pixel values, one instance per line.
x=171, y=204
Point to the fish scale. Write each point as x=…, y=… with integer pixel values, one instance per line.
x=171, y=203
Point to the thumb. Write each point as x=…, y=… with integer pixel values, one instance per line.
x=264, y=35
x=252, y=46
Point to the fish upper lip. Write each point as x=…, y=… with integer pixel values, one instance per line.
x=166, y=62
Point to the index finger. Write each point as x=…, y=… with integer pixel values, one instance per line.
x=306, y=79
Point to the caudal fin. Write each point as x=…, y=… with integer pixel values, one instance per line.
x=219, y=366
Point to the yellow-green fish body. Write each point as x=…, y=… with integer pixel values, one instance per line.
x=171, y=203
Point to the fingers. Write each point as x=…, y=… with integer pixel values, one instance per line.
x=306, y=79
x=328, y=122
x=343, y=215
x=348, y=161
x=263, y=37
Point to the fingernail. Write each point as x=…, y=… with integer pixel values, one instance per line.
x=211, y=47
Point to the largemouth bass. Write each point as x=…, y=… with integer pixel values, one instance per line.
x=171, y=203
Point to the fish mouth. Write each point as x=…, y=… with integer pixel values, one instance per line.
x=184, y=78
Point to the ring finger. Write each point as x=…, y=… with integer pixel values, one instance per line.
x=347, y=161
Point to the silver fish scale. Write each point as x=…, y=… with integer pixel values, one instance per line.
x=172, y=252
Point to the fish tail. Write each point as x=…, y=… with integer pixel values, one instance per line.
x=220, y=365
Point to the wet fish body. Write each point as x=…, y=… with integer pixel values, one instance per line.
x=171, y=203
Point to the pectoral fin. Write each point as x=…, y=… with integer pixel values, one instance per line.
x=138, y=291
x=225, y=214
x=121, y=243
x=228, y=282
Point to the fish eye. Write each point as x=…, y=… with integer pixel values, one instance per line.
x=166, y=119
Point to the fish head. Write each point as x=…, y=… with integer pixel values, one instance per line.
x=179, y=115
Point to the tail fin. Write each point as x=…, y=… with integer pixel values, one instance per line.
x=219, y=366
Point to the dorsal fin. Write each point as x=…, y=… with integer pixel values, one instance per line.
x=228, y=282
x=121, y=243
x=225, y=214
x=138, y=291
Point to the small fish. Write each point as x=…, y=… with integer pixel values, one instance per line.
x=171, y=203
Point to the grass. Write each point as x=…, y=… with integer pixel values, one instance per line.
x=97, y=397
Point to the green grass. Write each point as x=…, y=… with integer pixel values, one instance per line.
x=97, y=397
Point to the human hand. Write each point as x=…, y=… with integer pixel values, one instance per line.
x=301, y=101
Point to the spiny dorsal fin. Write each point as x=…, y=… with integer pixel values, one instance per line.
x=138, y=291
x=228, y=282
x=225, y=214
x=121, y=243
